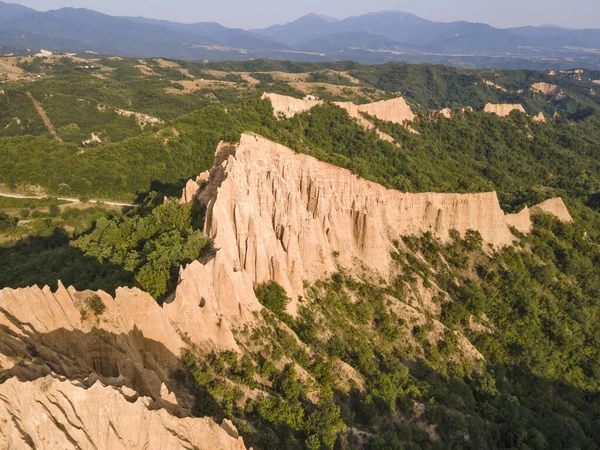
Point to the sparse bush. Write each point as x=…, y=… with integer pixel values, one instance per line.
x=95, y=303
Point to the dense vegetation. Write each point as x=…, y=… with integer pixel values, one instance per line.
x=119, y=249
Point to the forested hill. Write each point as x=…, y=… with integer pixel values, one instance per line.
x=123, y=123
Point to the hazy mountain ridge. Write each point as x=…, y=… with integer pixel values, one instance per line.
x=369, y=38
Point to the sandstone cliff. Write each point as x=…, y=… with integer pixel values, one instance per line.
x=51, y=414
x=554, y=207
x=289, y=106
x=395, y=110
x=91, y=378
x=548, y=89
x=276, y=215
x=503, y=109
x=446, y=112
x=495, y=85
x=118, y=354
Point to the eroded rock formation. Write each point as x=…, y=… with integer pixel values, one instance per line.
x=503, y=109
x=554, y=207
x=548, y=89
x=446, y=112
x=52, y=414
x=495, y=85
x=286, y=106
x=395, y=110
x=93, y=371
x=118, y=355
x=276, y=215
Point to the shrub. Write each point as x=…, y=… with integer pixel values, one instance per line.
x=273, y=297
x=95, y=303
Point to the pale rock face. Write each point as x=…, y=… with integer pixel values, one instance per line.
x=521, y=221
x=554, y=207
x=596, y=81
x=495, y=85
x=539, y=117
x=395, y=110
x=547, y=89
x=132, y=343
x=279, y=216
x=50, y=414
x=289, y=106
x=210, y=298
x=275, y=215
x=190, y=191
x=142, y=119
x=503, y=110
x=354, y=111
x=446, y=112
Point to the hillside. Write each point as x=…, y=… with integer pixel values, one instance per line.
x=320, y=256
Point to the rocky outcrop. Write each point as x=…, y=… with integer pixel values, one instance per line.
x=289, y=106
x=495, y=85
x=503, y=109
x=521, y=221
x=554, y=207
x=279, y=216
x=142, y=120
x=395, y=110
x=52, y=414
x=446, y=112
x=129, y=341
x=539, y=117
x=118, y=354
x=548, y=89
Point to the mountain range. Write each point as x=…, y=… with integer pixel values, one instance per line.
x=371, y=38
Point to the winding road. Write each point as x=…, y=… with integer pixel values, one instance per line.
x=65, y=199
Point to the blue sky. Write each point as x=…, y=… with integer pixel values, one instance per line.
x=260, y=13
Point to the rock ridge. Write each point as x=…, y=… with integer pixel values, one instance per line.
x=276, y=215
x=49, y=413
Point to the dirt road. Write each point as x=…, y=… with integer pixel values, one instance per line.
x=65, y=199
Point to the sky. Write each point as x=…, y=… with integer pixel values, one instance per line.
x=262, y=13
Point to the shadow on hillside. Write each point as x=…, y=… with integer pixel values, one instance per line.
x=126, y=359
x=158, y=191
x=45, y=260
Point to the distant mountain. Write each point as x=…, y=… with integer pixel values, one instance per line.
x=8, y=10
x=369, y=38
x=305, y=28
x=216, y=33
